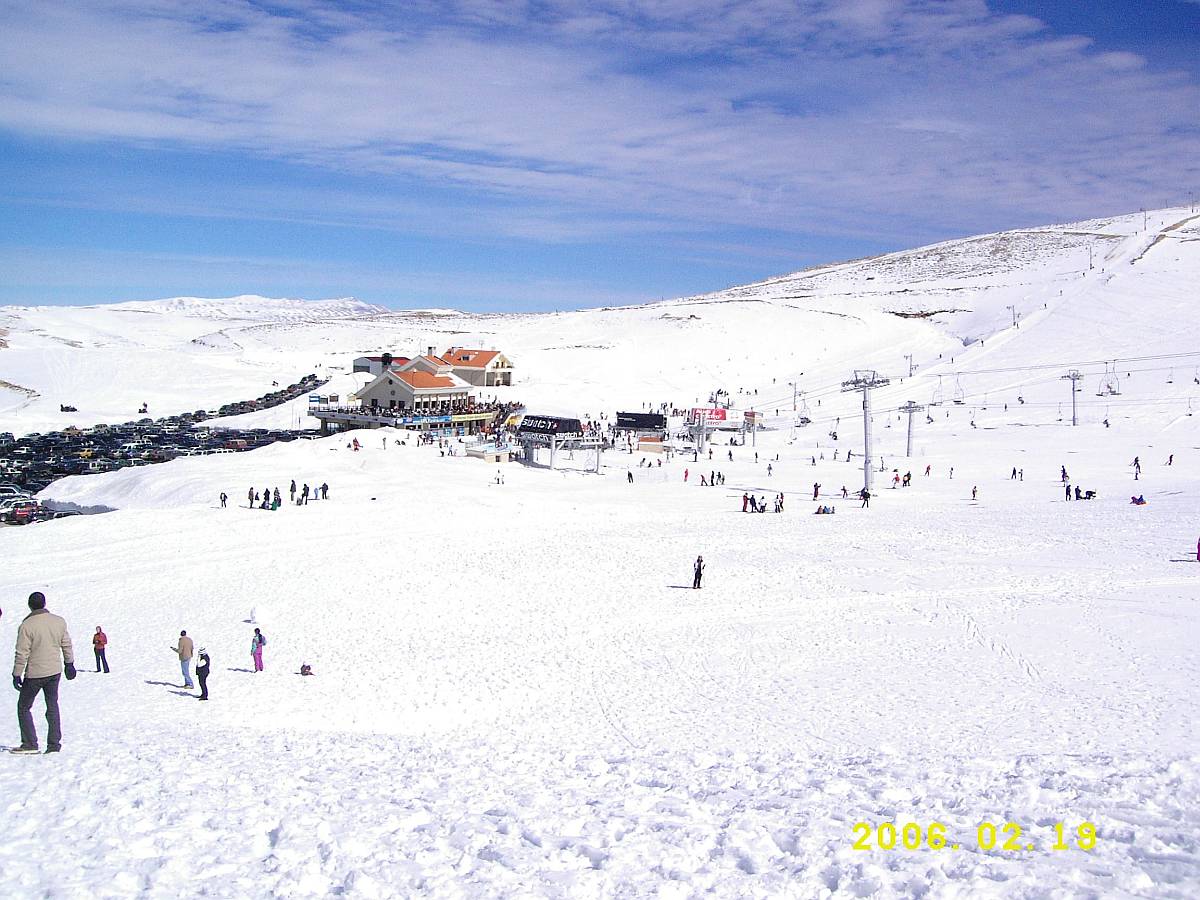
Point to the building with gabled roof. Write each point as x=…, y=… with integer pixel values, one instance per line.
x=482, y=368
x=417, y=384
x=373, y=365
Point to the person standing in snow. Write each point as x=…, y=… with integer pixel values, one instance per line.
x=816, y=490
x=324, y=490
x=251, y=496
x=275, y=499
x=44, y=653
x=185, y=650
x=1068, y=492
x=974, y=492
x=292, y=491
x=745, y=501
x=1063, y=474
x=224, y=498
x=99, y=642
x=256, y=647
x=203, y=665
x=866, y=498
x=698, y=572
x=304, y=495
x=1013, y=476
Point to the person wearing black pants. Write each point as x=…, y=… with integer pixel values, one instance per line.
x=698, y=568
x=202, y=668
x=43, y=654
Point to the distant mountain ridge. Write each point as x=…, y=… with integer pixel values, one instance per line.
x=254, y=308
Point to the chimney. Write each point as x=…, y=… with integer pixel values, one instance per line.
x=431, y=351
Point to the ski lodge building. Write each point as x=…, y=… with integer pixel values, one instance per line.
x=416, y=384
x=427, y=392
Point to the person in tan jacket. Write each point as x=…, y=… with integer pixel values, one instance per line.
x=186, y=650
x=43, y=653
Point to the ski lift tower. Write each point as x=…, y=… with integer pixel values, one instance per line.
x=864, y=380
x=910, y=407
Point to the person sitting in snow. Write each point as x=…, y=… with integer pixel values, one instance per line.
x=305, y=669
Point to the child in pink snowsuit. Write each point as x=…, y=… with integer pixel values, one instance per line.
x=256, y=644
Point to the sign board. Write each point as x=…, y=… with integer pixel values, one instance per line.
x=641, y=421
x=726, y=419
x=333, y=398
x=313, y=398
x=550, y=425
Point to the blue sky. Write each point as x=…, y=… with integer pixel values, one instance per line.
x=560, y=154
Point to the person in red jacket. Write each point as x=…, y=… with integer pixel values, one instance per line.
x=99, y=642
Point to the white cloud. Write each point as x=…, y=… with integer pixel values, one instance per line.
x=817, y=115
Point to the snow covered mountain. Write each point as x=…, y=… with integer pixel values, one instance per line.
x=518, y=694
x=251, y=308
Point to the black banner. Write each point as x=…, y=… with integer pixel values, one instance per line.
x=550, y=425
x=641, y=422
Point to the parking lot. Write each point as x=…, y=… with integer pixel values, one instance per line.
x=29, y=463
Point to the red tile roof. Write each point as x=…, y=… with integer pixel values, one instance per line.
x=469, y=359
x=415, y=378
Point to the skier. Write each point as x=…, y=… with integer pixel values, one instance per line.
x=974, y=492
x=252, y=495
x=1064, y=474
x=866, y=498
x=293, y=491
x=1013, y=476
x=698, y=570
x=99, y=642
x=770, y=469
x=629, y=476
x=38, y=668
x=224, y=497
x=275, y=501
x=816, y=490
x=745, y=501
x=184, y=650
x=685, y=476
x=927, y=468
x=324, y=490
x=256, y=647
x=304, y=495
x=845, y=493
x=202, y=668
x=1068, y=492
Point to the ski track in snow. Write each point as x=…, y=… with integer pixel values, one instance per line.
x=378, y=817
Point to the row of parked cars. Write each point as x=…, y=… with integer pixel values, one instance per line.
x=28, y=464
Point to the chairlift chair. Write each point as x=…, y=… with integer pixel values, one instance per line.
x=960, y=396
x=938, y=396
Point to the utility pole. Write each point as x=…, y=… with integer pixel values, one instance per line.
x=908, y=356
x=910, y=408
x=1013, y=309
x=1089, y=257
x=1074, y=377
x=1145, y=227
x=864, y=380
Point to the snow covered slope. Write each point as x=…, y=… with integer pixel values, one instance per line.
x=517, y=692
